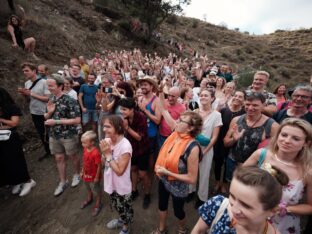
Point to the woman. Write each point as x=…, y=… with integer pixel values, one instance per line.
x=233, y=109
x=15, y=29
x=116, y=151
x=220, y=83
x=280, y=93
x=68, y=88
x=228, y=91
x=177, y=167
x=254, y=194
x=187, y=99
x=212, y=122
x=290, y=150
x=13, y=166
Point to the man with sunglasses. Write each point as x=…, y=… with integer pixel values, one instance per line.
x=261, y=78
x=299, y=105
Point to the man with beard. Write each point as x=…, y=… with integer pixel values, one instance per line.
x=261, y=78
x=77, y=78
x=149, y=105
x=87, y=102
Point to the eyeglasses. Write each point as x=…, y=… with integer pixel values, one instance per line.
x=302, y=96
x=183, y=121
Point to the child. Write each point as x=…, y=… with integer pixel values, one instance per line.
x=91, y=171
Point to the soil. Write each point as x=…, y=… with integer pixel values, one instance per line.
x=41, y=212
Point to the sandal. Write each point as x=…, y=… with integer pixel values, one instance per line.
x=86, y=203
x=96, y=210
x=182, y=231
x=157, y=231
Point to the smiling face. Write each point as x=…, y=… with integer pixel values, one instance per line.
x=301, y=98
x=281, y=90
x=238, y=98
x=183, y=124
x=245, y=205
x=109, y=129
x=253, y=107
x=259, y=82
x=291, y=139
x=205, y=97
x=146, y=87
x=53, y=88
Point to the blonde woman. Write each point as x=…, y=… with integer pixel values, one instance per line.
x=290, y=151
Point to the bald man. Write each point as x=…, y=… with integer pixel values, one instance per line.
x=175, y=109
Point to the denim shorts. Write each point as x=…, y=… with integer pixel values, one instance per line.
x=90, y=115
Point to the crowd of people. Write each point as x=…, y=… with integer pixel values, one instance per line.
x=139, y=116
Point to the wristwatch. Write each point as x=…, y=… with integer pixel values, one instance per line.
x=109, y=160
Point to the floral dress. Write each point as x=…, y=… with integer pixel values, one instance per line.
x=292, y=194
x=208, y=212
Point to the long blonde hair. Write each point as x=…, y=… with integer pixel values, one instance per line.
x=304, y=156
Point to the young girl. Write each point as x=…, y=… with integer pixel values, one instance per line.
x=254, y=195
x=91, y=171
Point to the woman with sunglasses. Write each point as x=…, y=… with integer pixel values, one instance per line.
x=177, y=166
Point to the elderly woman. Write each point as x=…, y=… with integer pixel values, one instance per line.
x=177, y=166
x=13, y=167
x=117, y=151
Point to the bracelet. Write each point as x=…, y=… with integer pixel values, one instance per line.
x=57, y=121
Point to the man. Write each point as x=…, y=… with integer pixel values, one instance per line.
x=77, y=78
x=149, y=105
x=43, y=71
x=62, y=118
x=261, y=79
x=175, y=109
x=97, y=59
x=136, y=132
x=298, y=107
x=248, y=132
x=87, y=102
x=37, y=92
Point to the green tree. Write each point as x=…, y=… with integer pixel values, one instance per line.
x=153, y=12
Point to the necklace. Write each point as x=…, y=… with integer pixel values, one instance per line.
x=265, y=230
x=254, y=123
x=283, y=162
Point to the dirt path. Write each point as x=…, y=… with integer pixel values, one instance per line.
x=41, y=212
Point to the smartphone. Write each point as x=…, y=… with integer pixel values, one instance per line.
x=108, y=90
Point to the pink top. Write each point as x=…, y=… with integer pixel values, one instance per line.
x=112, y=182
x=175, y=112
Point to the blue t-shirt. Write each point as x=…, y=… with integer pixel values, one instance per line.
x=208, y=212
x=89, y=92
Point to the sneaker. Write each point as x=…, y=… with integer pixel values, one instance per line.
x=60, y=188
x=134, y=195
x=114, y=224
x=17, y=188
x=27, y=187
x=125, y=231
x=75, y=181
x=146, y=201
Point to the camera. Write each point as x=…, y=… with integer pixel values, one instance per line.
x=108, y=90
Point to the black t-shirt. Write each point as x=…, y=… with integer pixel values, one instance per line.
x=10, y=111
x=282, y=114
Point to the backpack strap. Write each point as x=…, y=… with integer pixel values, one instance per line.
x=34, y=83
x=262, y=156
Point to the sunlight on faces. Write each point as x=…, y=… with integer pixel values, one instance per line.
x=291, y=139
x=245, y=205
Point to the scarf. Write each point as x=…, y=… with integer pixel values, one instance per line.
x=171, y=151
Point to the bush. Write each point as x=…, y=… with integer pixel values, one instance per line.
x=125, y=25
